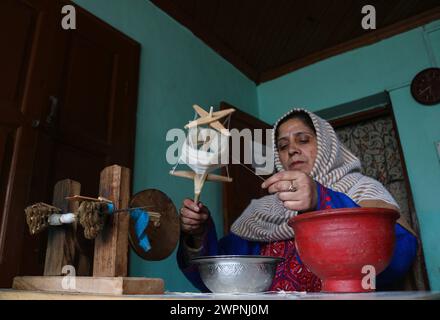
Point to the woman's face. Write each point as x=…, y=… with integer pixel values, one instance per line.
x=297, y=146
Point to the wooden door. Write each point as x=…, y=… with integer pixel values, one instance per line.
x=22, y=60
x=236, y=197
x=86, y=120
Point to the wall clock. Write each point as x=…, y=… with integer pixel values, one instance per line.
x=425, y=88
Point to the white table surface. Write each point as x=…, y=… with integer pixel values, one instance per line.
x=398, y=295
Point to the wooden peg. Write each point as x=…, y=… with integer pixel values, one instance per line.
x=83, y=198
x=183, y=174
x=218, y=178
x=111, y=245
x=61, y=249
x=104, y=199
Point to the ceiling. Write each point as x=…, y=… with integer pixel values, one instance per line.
x=268, y=38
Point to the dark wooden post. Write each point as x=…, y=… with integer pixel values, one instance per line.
x=60, y=249
x=111, y=245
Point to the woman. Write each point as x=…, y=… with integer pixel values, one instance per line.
x=315, y=172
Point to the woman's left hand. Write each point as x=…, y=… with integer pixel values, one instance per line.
x=296, y=189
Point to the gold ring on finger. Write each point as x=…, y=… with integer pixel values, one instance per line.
x=292, y=188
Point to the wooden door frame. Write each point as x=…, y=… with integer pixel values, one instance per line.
x=375, y=113
x=228, y=191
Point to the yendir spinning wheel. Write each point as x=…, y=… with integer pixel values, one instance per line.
x=148, y=222
x=163, y=235
x=153, y=230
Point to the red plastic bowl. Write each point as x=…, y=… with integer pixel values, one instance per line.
x=337, y=244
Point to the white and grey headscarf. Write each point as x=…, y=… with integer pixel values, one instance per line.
x=335, y=167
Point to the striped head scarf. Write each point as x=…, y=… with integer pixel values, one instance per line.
x=335, y=167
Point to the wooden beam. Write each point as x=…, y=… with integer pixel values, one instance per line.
x=111, y=245
x=91, y=285
x=361, y=116
x=60, y=249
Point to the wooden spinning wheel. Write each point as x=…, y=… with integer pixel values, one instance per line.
x=163, y=236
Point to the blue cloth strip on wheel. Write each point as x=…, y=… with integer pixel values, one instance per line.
x=141, y=218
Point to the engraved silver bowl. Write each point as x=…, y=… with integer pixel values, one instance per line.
x=237, y=274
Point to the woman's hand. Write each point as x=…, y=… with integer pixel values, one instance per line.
x=296, y=189
x=193, y=217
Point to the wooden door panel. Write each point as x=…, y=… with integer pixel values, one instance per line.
x=79, y=165
x=11, y=114
x=16, y=51
x=86, y=104
x=92, y=73
x=94, y=83
x=22, y=46
x=98, y=92
x=94, y=125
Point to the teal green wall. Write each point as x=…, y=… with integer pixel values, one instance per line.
x=355, y=76
x=177, y=70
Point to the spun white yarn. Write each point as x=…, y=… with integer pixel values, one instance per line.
x=202, y=161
